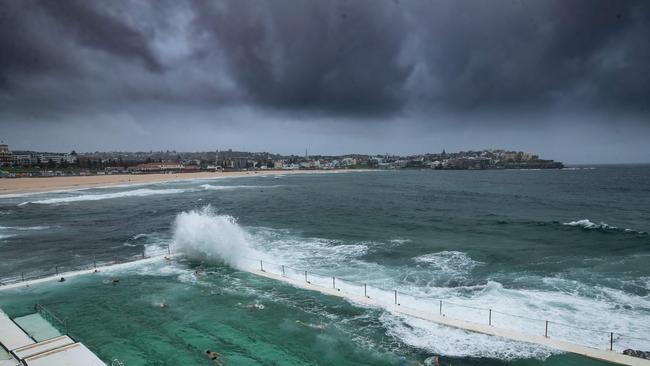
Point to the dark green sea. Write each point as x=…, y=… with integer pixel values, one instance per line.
x=569, y=246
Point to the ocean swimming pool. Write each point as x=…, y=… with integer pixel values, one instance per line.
x=460, y=236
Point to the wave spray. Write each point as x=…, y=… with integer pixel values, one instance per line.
x=204, y=234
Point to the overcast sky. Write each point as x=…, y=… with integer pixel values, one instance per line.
x=567, y=79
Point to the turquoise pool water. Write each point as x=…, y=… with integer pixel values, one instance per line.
x=212, y=310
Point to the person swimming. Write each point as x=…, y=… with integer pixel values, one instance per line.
x=214, y=356
x=252, y=307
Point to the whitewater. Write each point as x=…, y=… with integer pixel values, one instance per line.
x=203, y=234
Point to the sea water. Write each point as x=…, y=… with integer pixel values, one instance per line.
x=569, y=246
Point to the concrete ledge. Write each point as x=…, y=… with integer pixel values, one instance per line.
x=597, y=354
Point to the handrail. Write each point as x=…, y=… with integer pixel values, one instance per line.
x=437, y=302
x=48, y=314
x=490, y=311
x=90, y=263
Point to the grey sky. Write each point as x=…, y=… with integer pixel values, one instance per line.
x=567, y=79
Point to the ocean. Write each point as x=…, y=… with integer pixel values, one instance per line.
x=568, y=246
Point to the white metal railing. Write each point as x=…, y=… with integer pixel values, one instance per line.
x=81, y=264
x=584, y=336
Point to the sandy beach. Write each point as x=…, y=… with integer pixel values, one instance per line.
x=48, y=184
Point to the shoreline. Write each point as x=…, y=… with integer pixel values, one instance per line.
x=34, y=185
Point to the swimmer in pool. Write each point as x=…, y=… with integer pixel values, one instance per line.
x=255, y=306
x=214, y=356
x=252, y=306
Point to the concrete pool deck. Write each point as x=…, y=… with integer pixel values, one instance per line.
x=18, y=348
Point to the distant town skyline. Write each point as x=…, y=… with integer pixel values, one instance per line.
x=568, y=80
x=309, y=152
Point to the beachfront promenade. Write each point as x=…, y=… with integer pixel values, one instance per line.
x=362, y=295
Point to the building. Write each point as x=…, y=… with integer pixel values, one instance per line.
x=22, y=159
x=27, y=158
x=56, y=158
x=236, y=163
x=157, y=168
x=6, y=156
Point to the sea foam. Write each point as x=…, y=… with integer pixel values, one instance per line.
x=27, y=228
x=587, y=224
x=451, y=262
x=204, y=234
x=211, y=187
x=97, y=197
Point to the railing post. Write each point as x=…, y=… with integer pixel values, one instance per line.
x=365, y=290
x=333, y=282
x=546, y=330
x=396, y=298
x=611, y=341
x=306, y=277
x=283, y=270
x=490, y=321
x=261, y=266
x=169, y=251
x=440, y=307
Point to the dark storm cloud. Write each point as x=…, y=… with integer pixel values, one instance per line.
x=307, y=54
x=92, y=27
x=330, y=57
x=36, y=36
x=380, y=56
x=523, y=53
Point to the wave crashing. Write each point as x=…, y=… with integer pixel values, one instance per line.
x=202, y=233
x=589, y=225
